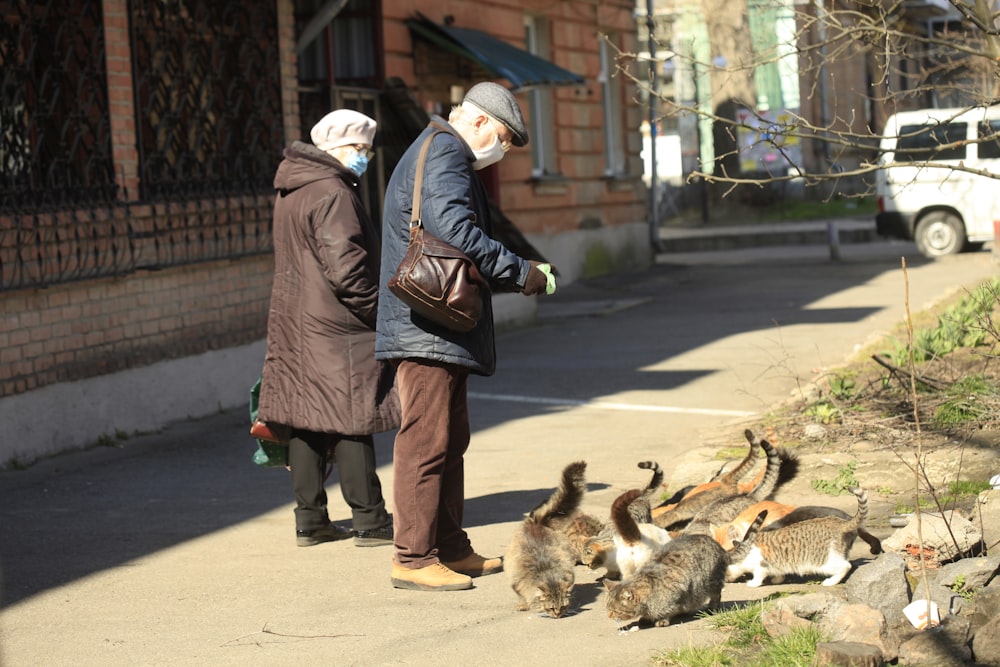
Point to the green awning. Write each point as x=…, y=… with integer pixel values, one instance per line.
x=497, y=57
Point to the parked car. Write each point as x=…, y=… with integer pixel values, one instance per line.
x=939, y=184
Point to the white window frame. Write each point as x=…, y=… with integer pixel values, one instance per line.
x=611, y=92
x=540, y=106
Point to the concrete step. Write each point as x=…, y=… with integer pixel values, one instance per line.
x=818, y=232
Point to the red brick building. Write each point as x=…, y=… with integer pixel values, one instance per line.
x=137, y=146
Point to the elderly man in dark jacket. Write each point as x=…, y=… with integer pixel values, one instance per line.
x=320, y=373
x=432, y=550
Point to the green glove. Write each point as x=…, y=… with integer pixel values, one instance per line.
x=550, y=285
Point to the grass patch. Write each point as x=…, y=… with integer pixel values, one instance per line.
x=747, y=643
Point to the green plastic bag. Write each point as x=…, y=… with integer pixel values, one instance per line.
x=268, y=454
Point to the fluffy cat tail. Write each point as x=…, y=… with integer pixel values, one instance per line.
x=565, y=500
x=742, y=548
x=623, y=520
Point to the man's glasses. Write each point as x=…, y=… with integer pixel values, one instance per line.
x=504, y=145
x=362, y=150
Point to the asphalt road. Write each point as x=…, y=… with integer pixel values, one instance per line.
x=174, y=549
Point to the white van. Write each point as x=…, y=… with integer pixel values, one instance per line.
x=944, y=210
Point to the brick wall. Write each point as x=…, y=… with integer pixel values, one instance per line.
x=80, y=330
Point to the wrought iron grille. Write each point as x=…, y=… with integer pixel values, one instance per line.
x=55, y=133
x=206, y=87
x=208, y=95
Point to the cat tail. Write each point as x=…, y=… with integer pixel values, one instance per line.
x=623, y=520
x=656, y=479
x=565, y=499
x=789, y=467
x=641, y=507
x=772, y=471
x=732, y=478
x=742, y=547
x=862, y=514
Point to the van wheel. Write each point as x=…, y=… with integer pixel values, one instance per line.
x=940, y=233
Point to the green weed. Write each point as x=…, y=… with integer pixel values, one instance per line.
x=965, y=401
x=824, y=412
x=844, y=482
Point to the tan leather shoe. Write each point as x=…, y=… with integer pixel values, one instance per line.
x=434, y=577
x=475, y=565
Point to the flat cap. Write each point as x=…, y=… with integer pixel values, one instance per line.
x=499, y=102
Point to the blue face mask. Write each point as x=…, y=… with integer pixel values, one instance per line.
x=358, y=163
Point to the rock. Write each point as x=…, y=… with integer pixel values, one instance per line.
x=953, y=585
x=814, y=432
x=882, y=585
x=780, y=619
x=847, y=654
x=986, y=515
x=986, y=643
x=859, y=623
x=987, y=605
x=928, y=649
x=938, y=544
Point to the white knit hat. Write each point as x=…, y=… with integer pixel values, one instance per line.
x=343, y=127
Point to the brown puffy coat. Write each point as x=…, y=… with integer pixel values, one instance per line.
x=320, y=372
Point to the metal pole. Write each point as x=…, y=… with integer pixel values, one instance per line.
x=654, y=214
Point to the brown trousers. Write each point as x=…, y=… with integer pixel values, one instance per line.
x=428, y=463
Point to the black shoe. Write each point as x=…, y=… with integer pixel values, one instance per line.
x=331, y=533
x=373, y=538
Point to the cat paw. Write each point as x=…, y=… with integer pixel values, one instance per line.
x=755, y=583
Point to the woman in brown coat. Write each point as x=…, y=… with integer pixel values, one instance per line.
x=320, y=374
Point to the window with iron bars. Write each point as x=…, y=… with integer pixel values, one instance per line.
x=208, y=125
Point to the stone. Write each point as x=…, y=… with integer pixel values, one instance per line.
x=937, y=539
x=947, y=645
x=847, y=654
x=955, y=583
x=780, y=619
x=859, y=623
x=881, y=584
x=987, y=603
x=986, y=515
x=814, y=432
x=986, y=643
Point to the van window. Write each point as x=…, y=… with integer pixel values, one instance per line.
x=920, y=143
x=989, y=139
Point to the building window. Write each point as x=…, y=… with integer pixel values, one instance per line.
x=55, y=131
x=208, y=96
x=611, y=92
x=542, y=124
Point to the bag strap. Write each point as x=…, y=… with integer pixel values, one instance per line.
x=418, y=180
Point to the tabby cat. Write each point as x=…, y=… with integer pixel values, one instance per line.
x=598, y=551
x=813, y=511
x=696, y=500
x=813, y=546
x=721, y=488
x=686, y=575
x=775, y=511
x=539, y=560
x=726, y=509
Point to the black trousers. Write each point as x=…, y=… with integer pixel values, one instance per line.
x=308, y=454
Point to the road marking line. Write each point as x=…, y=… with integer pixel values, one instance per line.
x=600, y=405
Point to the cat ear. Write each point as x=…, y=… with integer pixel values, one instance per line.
x=610, y=585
